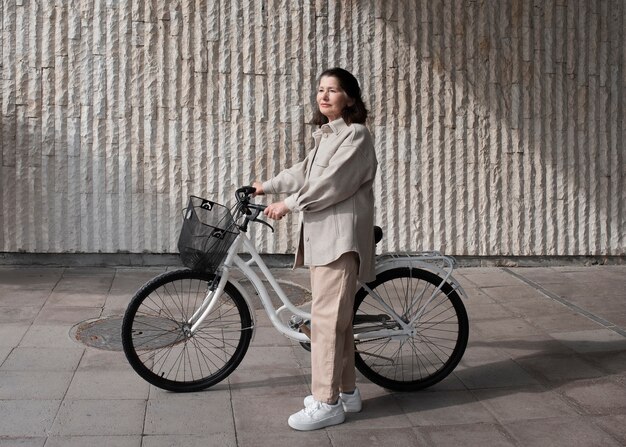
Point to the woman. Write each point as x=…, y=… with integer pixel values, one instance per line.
x=332, y=190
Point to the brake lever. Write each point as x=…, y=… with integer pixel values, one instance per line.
x=264, y=223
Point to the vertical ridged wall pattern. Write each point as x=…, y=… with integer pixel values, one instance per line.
x=499, y=124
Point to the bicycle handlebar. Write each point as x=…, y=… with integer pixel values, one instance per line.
x=243, y=195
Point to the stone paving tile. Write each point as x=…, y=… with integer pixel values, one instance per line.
x=500, y=374
x=269, y=382
x=488, y=277
x=269, y=336
x=76, y=298
x=562, y=322
x=260, y=416
x=503, y=368
x=53, y=315
x=512, y=293
x=596, y=340
x=23, y=297
x=491, y=311
x=379, y=411
x=508, y=405
x=116, y=304
x=49, y=336
x=215, y=391
x=22, y=442
x=274, y=357
x=531, y=345
x=94, y=441
x=559, y=368
x=29, y=278
x=363, y=436
x=99, y=418
x=130, y=280
x=4, y=353
x=541, y=275
x=18, y=315
x=504, y=328
x=583, y=289
x=286, y=437
x=45, y=385
x=370, y=391
x=27, y=418
x=481, y=434
x=11, y=334
x=604, y=307
x=556, y=432
x=83, y=280
x=190, y=416
x=599, y=396
x=443, y=408
x=480, y=353
x=212, y=440
x=476, y=296
x=450, y=383
x=111, y=384
x=618, y=319
x=532, y=307
x=611, y=362
x=261, y=319
x=96, y=359
x=615, y=425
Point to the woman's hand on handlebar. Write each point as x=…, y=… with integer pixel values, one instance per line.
x=259, y=188
x=276, y=210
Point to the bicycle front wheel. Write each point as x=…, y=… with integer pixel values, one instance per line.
x=156, y=332
x=405, y=362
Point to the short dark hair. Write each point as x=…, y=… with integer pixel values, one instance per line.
x=357, y=112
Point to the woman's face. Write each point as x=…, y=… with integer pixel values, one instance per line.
x=331, y=99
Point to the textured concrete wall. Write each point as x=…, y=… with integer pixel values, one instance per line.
x=499, y=125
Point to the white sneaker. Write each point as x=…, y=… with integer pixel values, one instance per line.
x=351, y=402
x=317, y=415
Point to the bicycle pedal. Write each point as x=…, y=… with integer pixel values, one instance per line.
x=296, y=322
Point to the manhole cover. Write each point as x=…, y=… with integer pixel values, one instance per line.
x=106, y=333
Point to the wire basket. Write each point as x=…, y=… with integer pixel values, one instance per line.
x=207, y=233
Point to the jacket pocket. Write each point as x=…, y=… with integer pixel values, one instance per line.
x=317, y=169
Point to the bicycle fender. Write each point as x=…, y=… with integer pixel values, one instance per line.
x=248, y=301
x=408, y=261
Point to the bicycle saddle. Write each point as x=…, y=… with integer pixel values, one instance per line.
x=378, y=234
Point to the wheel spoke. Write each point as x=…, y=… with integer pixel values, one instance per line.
x=157, y=340
x=412, y=361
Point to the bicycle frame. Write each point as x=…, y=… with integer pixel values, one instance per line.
x=234, y=260
x=427, y=260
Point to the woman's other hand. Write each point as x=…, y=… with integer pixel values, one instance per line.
x=276, y=210
x=259, y=188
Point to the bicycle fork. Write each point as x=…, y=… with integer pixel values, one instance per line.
x=207, y=306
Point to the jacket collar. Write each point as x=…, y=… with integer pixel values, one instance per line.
x=335, y=127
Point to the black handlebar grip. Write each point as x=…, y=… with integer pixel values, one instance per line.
x=247, y=190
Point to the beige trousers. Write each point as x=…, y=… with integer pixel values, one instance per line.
x=332, y=345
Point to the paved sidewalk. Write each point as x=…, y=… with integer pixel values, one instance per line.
x=545, y=365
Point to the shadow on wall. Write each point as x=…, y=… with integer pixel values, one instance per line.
x=515, y=110
x=498, y=124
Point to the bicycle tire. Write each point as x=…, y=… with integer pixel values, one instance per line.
x=410, y=363
x=154, y=340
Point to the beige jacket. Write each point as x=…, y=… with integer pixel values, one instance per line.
x=332, y=190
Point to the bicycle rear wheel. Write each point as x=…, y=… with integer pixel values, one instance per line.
x=404, y=362
x=157, y=341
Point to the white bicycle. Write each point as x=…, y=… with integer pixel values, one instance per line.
x=188, y=329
